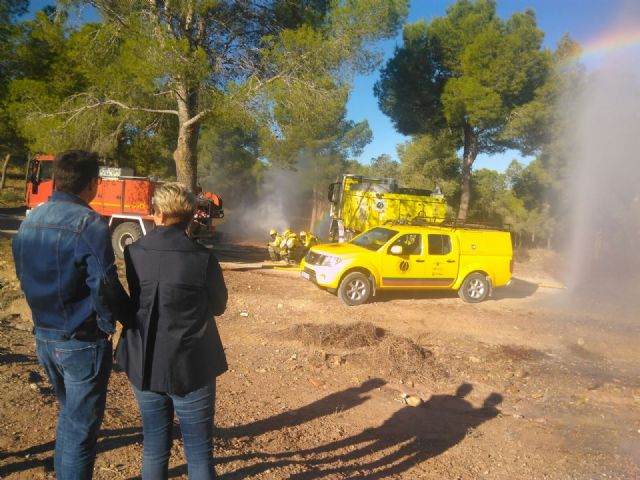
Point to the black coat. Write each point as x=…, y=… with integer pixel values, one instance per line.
x=176, y=288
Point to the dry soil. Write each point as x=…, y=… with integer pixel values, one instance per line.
x=523, y=386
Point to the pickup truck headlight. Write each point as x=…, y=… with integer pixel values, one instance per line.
x=329, y=261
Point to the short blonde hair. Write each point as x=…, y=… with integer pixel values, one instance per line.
x=176, y=202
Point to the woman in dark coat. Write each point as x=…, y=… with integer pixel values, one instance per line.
x=172, y=352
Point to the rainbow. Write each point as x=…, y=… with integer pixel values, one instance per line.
x=609, y=42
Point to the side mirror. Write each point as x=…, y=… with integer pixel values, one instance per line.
x=34, y=175
x=396, y=250
x=333, y=192
x=34, y=171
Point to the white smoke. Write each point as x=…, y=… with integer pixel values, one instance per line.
x=281, y=203
x=605, y=181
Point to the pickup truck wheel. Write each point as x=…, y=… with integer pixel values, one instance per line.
x=354, y=289
x=475, y=288
x=125, y=234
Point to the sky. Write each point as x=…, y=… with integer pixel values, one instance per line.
x=590, y=22
x=585, y=21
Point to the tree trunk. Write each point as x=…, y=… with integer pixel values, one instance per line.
x=185, y=156
x=469, y=156
x=4, y=170
x=186, y=152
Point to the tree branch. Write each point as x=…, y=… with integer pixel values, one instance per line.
x=196, y=118
x=100, y=103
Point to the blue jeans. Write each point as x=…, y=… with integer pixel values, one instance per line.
x=79, y=373
x=195, y=412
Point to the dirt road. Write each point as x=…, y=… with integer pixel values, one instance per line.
x=523, y=386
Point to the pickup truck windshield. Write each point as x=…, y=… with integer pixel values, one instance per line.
x=374, y=238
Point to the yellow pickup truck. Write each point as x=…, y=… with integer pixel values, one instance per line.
x=470, y=260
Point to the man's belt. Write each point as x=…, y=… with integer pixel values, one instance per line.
x=89, y=331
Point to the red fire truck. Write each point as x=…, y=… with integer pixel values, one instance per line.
x=124, y=199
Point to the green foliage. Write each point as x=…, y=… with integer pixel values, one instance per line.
x=9, y=11
x=287, y=64
x=328, y=157
x=356, y=168
x=489, y=188
x=384, y=166
x=301, y=120
x=12, y=197
x=230, y=166
x=147, y=146
x=10, y=140
x=430, y=162
x=544, y=127
x=542, y=121
x=401, y=89
x=50, y=78
x=469, y=67
x=305, y=128
x=265, y=85
x=529, y=184
x=514, y=198
x=303, y=105
x=463, y=75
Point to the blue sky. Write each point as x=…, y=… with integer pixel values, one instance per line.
x=584, y=20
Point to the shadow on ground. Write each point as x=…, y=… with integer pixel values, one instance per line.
x=109, y=439
x=517, y=289
x=10, y=219
x=239, y=253
x=408, y=437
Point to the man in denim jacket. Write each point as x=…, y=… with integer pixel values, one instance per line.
x=65, y=264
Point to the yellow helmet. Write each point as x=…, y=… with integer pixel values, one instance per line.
x=287, y=230
x=272, y=231
x=303, y=233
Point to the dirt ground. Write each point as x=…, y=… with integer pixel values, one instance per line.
x=523, y=386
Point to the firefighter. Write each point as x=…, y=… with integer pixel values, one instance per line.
x=290, y=246
x=286, y=234
x=308, y=239
x=274, y=245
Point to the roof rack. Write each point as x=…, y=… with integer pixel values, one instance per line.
x=449, y=222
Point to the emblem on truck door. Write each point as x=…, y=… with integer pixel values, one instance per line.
x=404, y=266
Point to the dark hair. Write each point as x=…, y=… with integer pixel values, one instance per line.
x=73, y=170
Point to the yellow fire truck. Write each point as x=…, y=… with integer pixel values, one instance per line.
x=359, y=203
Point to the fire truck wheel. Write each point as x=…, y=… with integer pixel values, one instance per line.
x=125, y=234
x=354, y=289
x=475, y=288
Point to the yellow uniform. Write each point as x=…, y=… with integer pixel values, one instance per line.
x=290, y=247
x=274, y=245
x=308, y=239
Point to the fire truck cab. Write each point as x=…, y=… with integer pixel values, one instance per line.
x=124, y=199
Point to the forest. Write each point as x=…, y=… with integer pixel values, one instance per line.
x=225, y=93
x=252, y=100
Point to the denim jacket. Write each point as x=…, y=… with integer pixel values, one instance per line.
x=65, y=264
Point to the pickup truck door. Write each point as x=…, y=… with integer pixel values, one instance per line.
x=405, y=270
x=442, y=260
